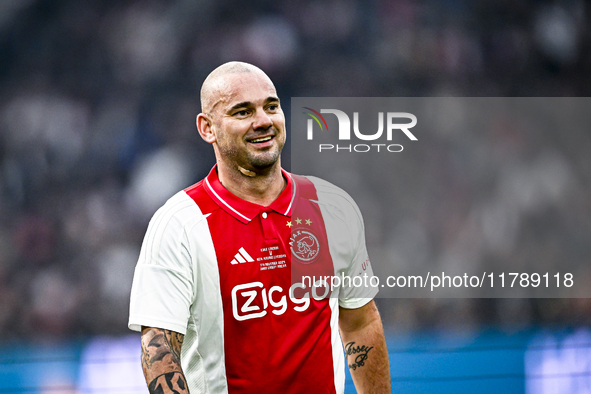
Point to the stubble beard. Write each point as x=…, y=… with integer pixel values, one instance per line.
x=249, y=160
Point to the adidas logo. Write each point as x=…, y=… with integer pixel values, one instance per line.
x=242, y=257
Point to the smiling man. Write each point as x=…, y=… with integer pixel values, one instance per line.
x=218, y=293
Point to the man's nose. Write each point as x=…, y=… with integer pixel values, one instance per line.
x=262, y=120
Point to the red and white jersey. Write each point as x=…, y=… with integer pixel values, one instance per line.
x=227, y=274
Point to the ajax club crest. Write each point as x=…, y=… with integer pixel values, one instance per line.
x=304, y=246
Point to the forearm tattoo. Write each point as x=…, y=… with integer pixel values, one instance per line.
x=172, y=382
x=161, y=361
x=359, y=352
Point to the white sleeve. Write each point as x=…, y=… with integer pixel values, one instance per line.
x=352, y=295
x=162, y=289
x=346, y=233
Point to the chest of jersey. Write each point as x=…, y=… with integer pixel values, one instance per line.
x=269, y=315
x=253, y=263
x=277, y=331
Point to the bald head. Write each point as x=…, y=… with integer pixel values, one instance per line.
x=243, y=120
x=217, y=82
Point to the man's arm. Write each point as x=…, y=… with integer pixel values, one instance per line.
x=161, y=361
x=365, y=348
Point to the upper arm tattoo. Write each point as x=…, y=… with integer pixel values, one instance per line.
x=161, y=361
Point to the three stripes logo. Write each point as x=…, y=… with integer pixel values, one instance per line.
x=242, y=257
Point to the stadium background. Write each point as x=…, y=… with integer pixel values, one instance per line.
x=97, y=108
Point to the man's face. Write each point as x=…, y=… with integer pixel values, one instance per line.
x=248, y=122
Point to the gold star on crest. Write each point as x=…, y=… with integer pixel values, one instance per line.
x=298, y=221
x=289, y=224
x=308, y=222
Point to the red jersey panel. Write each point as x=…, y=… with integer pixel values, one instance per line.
x=277, y=336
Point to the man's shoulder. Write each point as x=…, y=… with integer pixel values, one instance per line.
x=324, y=187
x=180, y=209
x=331, y=195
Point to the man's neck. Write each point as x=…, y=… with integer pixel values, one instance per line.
x=260, y=188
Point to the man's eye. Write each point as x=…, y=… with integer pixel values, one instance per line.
x=273, y=107
x=241, y=113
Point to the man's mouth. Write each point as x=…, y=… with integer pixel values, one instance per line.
x=262, y=139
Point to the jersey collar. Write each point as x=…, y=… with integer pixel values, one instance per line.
x=244, y=210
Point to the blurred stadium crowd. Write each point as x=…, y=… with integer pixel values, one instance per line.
x=97, y=107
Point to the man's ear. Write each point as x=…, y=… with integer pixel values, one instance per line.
x=204, y=126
